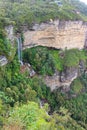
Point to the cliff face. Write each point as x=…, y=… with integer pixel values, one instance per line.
x=65, y=78
x=57, y=34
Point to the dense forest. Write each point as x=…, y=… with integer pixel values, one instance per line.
x=21, y=95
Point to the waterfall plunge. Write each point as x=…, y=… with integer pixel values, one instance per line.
x=19, y=42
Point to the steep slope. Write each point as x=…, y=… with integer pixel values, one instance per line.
x=36, y=11
x=57, y=34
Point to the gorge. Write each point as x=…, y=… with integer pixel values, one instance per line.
x=43, y=65
x=60, y=35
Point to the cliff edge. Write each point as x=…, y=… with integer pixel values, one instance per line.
x=57, y=34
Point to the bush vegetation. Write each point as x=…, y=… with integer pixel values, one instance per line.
x=19, y=12
x=20, y=95
x=46, y=61
x=30, y=116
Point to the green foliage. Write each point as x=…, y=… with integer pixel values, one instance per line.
x=72, y=57
x=6, y=48
x=76, y=86
x=46, y=61
x=77, y=106
x=40, y=59
x=1, y=112
x=31, y=117
x=74, y=100
x=83, y=79
x=16, y=88
x=39, y=86
x=29, y=12
x=58, y=62
x=28, y=116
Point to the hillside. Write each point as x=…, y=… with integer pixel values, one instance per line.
x=29, y=12
x=43, y=87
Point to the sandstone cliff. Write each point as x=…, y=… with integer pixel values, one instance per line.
x=58, y=34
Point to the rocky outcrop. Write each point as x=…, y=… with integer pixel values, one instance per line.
x=10, y=32
x=26, y=68
x=69, y=74
x=55, y=82
x=57, y=34
x=3, y=60
x=65, y=78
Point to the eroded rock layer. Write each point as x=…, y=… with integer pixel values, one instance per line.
x=57, y=34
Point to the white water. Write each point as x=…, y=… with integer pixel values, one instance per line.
x=19, y=42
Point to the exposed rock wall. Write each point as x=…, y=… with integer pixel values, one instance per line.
x=61, y=80
x=54, y=82
x=58, y=34
x=10, y=33
x=65, y=78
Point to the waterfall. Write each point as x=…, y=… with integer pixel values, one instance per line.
x=19, y=42
x=18, y=49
